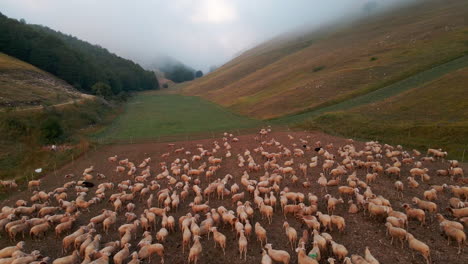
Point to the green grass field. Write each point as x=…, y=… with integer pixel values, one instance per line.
x=151, y=115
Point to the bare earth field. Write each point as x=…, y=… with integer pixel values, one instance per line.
x=360, y=231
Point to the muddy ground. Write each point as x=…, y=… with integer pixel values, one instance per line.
x=361, y=231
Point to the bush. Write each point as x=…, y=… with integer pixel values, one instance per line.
x=51, y=131
x=373, y=58
x=165, y=85
x=102, y=89
x=319, y=68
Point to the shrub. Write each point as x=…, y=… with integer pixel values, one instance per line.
x=51, y=131
x=319, y=68
x=373, y=59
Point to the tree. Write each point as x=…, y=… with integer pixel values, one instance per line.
x=198, y=74
x=102, y=89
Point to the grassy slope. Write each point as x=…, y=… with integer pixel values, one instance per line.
x=404, y=43
x=431, y=115
x=149, y=115
x=383, y=93
x=22, y=84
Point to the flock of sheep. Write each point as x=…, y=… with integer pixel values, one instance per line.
x=158, y=189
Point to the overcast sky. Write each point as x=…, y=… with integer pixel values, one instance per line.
x=200, y=33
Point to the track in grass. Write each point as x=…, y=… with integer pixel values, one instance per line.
x=153, y=114
x=383, y=93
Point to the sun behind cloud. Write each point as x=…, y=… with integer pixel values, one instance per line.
x=214, y=11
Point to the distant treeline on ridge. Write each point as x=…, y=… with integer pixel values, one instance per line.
x=79, y=63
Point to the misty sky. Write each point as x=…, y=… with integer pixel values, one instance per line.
x=200, y=33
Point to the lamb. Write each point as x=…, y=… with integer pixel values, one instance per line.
x=419, y=246
x=147, y=251
x=278, y=255
x=396, y=232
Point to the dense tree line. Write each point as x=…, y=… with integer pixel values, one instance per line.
x=178, y=73
x=78, y=62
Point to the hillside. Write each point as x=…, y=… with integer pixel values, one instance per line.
x=23, y=85
x=431, y=114
x=337, y=63
x=77, y=62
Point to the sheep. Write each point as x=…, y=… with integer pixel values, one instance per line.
x=278, y=255
x=396, y=232
x=414, y=213
x=147, y=251
x=243, y=245
x=419, y=246
x=378, y=210
x=195, y=250
x=455, y=234
x=331, y=203
x=162, y=234
x=425, y=205
x=430, y=195
x=219, y=238
x=369, y=257
x=8, y=251
x=28, y=258
x=456, y=203
x=291, y=233
x=122, y=255
x=302, y=258
x=339, y=250
x=109, y=221
x=339, y=222
x=399, y=188
x=71, y=259
x=266, y=259
x=412, y=183
x=325, y=220
x=19, y=228
x=35, y=184
x=261, y=234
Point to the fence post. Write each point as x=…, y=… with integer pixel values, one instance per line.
x=463, y=155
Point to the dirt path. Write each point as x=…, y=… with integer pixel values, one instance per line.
x=84, y=97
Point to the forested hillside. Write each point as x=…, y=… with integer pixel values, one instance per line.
x=79, y=63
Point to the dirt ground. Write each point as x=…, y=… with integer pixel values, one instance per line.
x=361, y=230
